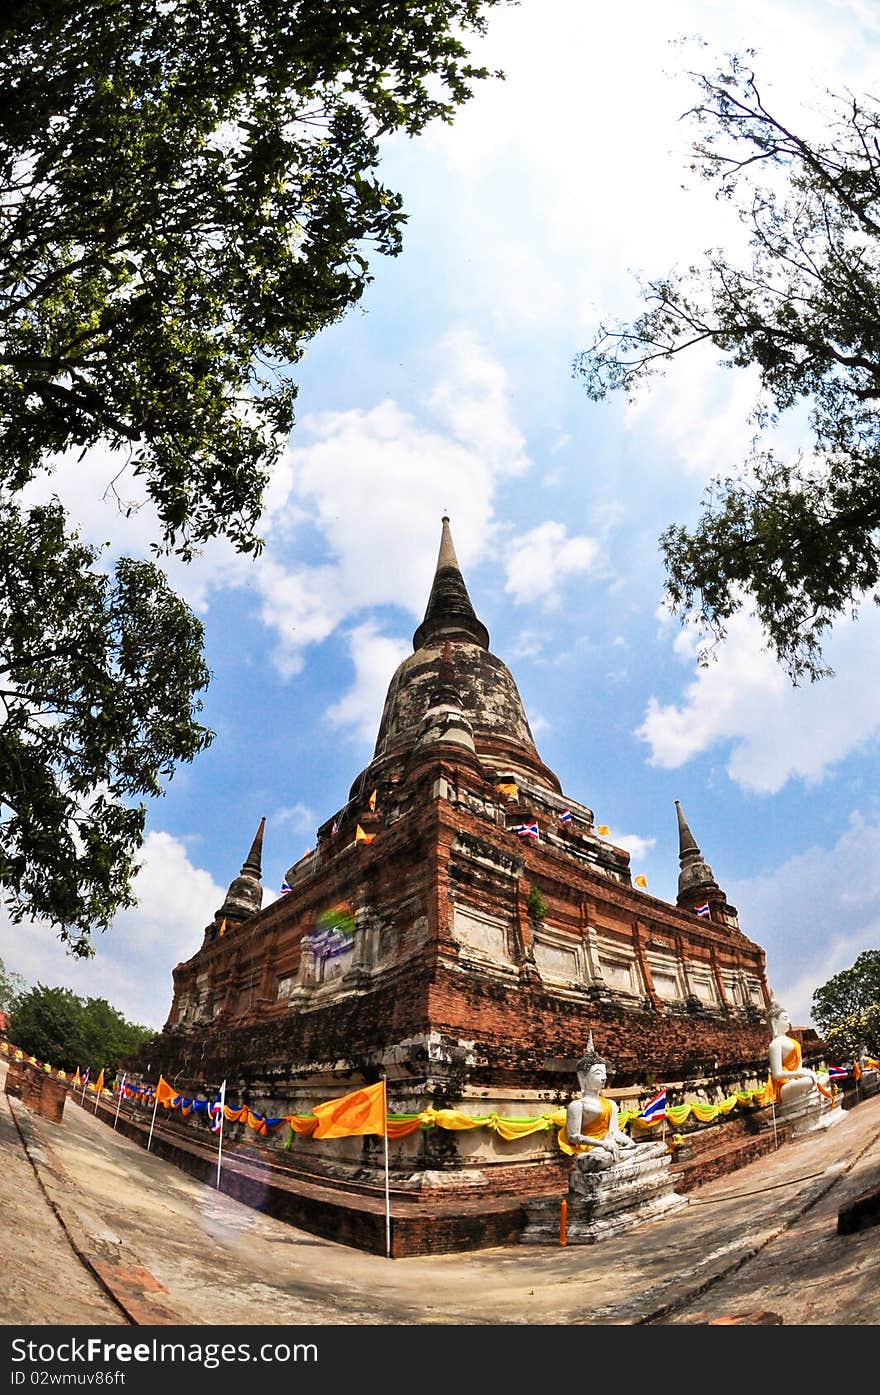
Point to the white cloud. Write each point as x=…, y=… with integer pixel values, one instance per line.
x=539, y=725
x=529, y=644
x=540, y=561
x=106, y=506
x=815, y=914
x=633, y=843
x=132, y=964
x=364, y=486
x=302, y=606
x=698, y=415
x=472, y=401
x=563, y=215
x=775, y=732
x=299, y=816
x=375, y=658
x=373, y=484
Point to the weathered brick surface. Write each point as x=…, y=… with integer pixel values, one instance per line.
x=39, y=1091
x=430, y=986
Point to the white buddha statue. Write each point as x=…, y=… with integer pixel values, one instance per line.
x=791, y=1082
x=615, y=1183
x=799, y=1094
x=591, y=1120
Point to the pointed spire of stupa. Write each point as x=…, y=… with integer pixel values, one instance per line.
x=449, y=612
x=696, y=877
x=253, y=863
x=245, y=895
x=687, y=843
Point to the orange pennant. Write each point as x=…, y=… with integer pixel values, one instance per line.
x=164, y=1093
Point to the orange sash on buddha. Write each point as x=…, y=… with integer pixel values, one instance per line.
x=790, y=1062
x=598, y=1127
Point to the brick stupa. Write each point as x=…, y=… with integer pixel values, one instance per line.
x=461, y=958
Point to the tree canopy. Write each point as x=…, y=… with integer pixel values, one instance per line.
x=67, y=1031
x=846, y=1009
x=98, y=681
x=189, y=193
x=797, y=539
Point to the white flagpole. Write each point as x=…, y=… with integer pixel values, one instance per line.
x=222, y=1116
x=387, y=1195
x=773, y=1110
x=82, y=1097
x=152, y=1122
x=97, y=1095
x=119, y=1101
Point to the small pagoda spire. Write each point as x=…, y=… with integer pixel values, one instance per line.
x=696, y=878
x=253, y=863
x=449, y=610
x=687, y=843
x=245, y=895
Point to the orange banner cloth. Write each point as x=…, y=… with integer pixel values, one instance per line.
x=302, y=1123
x=164, y=1093
x=357, y=1113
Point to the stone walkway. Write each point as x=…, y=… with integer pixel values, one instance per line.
x=97, y=1231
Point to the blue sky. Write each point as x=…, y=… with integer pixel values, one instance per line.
x=450, y=389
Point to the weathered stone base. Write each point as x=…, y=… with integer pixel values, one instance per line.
x=38, y=1090
x=807, y=1118
x=605, y=1203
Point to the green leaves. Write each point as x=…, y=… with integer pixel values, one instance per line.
x=99, y=682
x=67, y=1031
x=846, y=1009
x=188, y=190
x=189, y=193
x=799, y=541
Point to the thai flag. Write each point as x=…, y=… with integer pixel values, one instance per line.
x=565, y=816
x=702, y=910
x=215, y=1110
x=655, y=1107
x=837, y=1072
x=284, y=888
x=528, y=830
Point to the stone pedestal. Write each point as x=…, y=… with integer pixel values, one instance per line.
x=814, y=1112
x=607, y=1202
x=868, y=1084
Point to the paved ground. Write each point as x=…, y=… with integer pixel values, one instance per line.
x=98, y=1232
